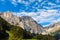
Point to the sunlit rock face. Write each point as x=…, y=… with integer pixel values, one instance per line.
x=25, y=22
x=31, y=25
x=12, y=19
x=53, y=27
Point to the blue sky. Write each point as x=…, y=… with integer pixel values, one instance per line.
x=45, y=12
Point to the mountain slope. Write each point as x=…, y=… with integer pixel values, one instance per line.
x=11, y=32
x=24, y=22
x=53, y=28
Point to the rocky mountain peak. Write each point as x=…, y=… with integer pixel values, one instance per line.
x=25, y=22
x=7, y=14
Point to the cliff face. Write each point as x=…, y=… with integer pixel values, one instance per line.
x=53, y=27
x=24, y=22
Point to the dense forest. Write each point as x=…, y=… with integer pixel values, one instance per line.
x=11, y=32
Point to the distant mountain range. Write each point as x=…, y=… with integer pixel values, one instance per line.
x=27, y=23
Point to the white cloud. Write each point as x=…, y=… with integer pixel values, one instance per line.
x=2, y=0
x=43, y=16
x=19, y=1
x=52, y=4
x=32, y=0
x=51, y=7
x=43, y=2
x=27, y=3
x=14, y=2
x=39, y=0
x=58, y=1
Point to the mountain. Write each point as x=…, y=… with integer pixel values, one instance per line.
x=25, y=22
x=12, y=32
x=53, y=28
x=28, y=24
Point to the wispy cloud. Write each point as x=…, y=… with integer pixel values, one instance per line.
x=14, y=2
x=43, y=11
x=43, y=16
x=58, y=1
x=38, y=4
x=2, y=0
